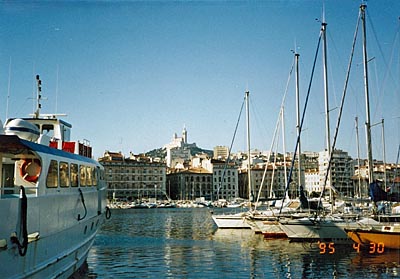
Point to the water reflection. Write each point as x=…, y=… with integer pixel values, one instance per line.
x=184, y=243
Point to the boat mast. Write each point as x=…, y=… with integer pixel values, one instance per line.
x=358, y=159
x=367, y=110
x=301, y=176
x=284, y=145
x=384, y=155
x=327, y=122
x=248, y=144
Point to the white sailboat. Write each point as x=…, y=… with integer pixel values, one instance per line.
x=266, y=222
x=238, y=220
x=321, y=226
x=53, y=198
x=334, y=227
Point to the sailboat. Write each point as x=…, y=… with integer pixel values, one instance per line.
x=52, y=199
x=330, y=227
x=238, y=220
x=266, y=222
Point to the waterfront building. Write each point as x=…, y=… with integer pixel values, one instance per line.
x=312, y=178
x=225, y=179
x=133, y=178
x=189, y=184
x=267, y=182
x=342, y=170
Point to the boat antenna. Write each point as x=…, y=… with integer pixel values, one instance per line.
x=38, y=96
x=57, y=88
x=8, y=88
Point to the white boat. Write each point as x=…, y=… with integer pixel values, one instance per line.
x=238, y=220
x=52, y=199
x=231, y=221
x=329, y=228
x=266, y=222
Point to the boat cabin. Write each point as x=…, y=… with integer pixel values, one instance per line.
x=38, y=151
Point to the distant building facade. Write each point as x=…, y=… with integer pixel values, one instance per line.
x=342, y=170
x=189, y=184
x=133, y=178
x=221, y=152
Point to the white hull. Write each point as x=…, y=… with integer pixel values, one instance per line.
x=269, y=227
x=231, y=221
x=329, y=229
x=62, y=242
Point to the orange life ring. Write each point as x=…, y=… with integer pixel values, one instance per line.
x=30, y=170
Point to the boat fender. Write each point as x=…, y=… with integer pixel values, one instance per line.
x=30, y=170
x=23, y=231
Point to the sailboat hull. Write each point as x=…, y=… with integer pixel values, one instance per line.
x=231, y=221
x=309, y=230
x=385, y=239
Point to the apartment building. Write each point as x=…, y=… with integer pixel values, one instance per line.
x=135, y=177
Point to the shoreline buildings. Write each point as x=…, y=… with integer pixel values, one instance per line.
x=183, y=176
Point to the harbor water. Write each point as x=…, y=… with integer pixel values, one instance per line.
x=185, y=243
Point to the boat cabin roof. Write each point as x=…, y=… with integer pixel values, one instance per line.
x=13, y=145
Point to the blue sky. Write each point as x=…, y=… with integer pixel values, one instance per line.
x=129, y=74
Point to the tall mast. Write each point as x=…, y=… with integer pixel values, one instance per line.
x=301, y=176
x=358, y=159
x=327, y=123
x=248, y=144
x=384, y=154
x=284, y=144
x=367, y=110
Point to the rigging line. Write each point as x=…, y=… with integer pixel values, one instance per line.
x=274, y=142
x=230, y=150
x=302, y=121
x=340, y=110
x=276, y=129
x=397, y=163
x=331, y=79
x=396, y=37
x=261, y=129
x=387, y=72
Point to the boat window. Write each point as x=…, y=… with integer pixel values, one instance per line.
x=82, y=171
x=95, y=176
x=89, y=174
x=74, y=175
x=64, y=174
x=52, y=175
x=48, y=130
